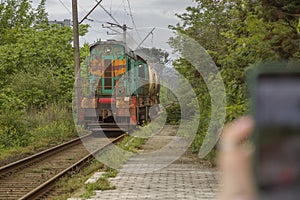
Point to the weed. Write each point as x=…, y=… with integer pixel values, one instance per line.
x=75, y=184
x=35, y=129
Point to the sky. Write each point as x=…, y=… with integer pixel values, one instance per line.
x=146, y=15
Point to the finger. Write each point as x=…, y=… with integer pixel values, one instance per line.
x=238, y=130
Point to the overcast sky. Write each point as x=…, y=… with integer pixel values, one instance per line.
x=146, y=14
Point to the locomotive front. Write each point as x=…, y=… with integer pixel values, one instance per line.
x=121, y=88
x=106, y=63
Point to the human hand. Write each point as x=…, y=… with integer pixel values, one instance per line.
x=234, y=161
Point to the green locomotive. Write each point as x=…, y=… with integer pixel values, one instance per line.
x=121, y=89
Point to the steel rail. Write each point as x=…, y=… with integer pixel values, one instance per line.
x=38, y=191
x=43, y=154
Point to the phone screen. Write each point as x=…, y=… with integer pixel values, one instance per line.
x=278, y=136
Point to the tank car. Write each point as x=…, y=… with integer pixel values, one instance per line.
x=121, y=89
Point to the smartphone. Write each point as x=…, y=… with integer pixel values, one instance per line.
x=276, y=106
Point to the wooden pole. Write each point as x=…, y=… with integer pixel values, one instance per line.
x=76, y=60
x=76, y=38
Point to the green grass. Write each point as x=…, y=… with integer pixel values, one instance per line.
x=116, y=155
x=101, y=184
x=74, y=186
x=37, y=130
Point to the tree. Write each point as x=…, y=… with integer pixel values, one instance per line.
x=41, y=16
x=238, y=34
x=154, y=55
x=34, y=48
x=14, y=15
x=284, y=9
x=37, y=75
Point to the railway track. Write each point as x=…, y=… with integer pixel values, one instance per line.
x=31, y=177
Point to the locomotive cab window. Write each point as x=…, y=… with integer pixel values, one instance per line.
x=108, y=74
x=141, y=69
x=129, y=66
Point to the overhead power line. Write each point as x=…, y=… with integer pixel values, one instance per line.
x=98, y=3
x=130, y=13
x=82, y=8
x=118, y=8
x=151, y=32
x=132, y=19
x=65, y=7
x=111, y=26
x=97, y=21
x=110, y=15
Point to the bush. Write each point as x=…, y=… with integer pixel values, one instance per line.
x=53, y=124
x=24, y=132
x=13, y=131
x=174, y=114
x=13, y=123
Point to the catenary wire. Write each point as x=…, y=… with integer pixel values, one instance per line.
x=69, y=11
x=132, y=19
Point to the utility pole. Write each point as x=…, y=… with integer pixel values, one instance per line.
x=76, y=38
x=76, y=60
x=124, y=28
